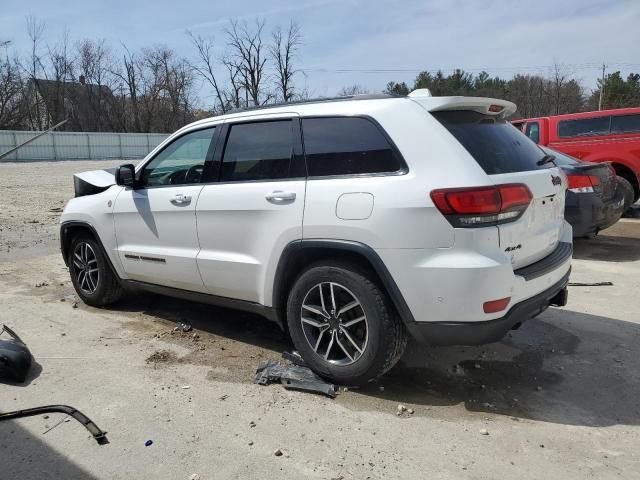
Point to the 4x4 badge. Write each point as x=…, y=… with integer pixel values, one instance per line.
x=556, y=180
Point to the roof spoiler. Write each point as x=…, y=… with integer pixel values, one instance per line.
x=487, y=106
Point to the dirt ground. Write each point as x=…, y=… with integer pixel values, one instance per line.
x=559, y=398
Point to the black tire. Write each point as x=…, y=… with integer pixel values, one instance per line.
x=95, y=290
x=386, y=337
x=627, y=190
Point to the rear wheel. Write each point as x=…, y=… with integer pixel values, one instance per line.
x=92, y=277
x=343, y=324
x=627, y=191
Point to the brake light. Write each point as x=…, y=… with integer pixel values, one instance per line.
x=582, y=183
x=482, y=206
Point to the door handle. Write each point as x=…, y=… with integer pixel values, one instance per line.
x=181, y=199
x=278, y=196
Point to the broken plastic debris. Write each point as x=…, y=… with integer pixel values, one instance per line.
x=15, y=357
x=294, y=377
x=99, y=435
x=185, y=326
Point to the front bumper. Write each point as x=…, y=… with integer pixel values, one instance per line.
x=478, y=333
x=588, y=214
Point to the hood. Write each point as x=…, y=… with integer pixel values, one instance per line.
x=93, y=181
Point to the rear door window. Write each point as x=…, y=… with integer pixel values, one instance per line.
x=625, y=123
x=494, y=143
x=347, y=146
x=584, y=127
x=533, y=131
x=258, y=151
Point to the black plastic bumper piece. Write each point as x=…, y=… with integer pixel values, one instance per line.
x=482, y=332
x=561, y=254
x=98, y=434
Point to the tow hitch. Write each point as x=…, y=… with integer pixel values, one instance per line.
x=560, y=298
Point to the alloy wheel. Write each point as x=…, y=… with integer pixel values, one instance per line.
x=334, y=323
x=85, y=268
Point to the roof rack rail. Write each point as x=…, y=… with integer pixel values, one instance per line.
x=363, y=96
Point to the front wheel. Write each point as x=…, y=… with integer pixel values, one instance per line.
x=92, y=277
x=343, y=324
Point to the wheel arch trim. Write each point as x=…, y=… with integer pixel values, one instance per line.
x=283, y=270
x=64, y=241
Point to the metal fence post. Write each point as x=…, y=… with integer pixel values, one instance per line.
x=120, y=144
x=55, y=148
x=15, y=143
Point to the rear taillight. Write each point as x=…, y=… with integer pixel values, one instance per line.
x=582, y=183
x=482, y=206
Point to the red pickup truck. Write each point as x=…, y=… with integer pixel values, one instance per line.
x=605, y=136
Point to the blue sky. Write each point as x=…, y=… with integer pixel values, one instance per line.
x=370, y=42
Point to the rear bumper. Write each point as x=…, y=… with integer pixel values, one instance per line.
x=478, y=333
x=588, y=214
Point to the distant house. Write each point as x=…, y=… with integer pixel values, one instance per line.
x=85, y=106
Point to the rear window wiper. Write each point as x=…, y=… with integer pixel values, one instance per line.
x=546, y=159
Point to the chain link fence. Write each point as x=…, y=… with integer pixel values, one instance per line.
x=78, y=145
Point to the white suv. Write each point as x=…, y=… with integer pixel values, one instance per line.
x=351, y=222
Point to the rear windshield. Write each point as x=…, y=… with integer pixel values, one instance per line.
x=496, y=145
x=561, y=159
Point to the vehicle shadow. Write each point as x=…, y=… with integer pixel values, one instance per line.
x=231, y=342
x=26, y=456
x=565, y=367
x=607, y=248
x=231, y=324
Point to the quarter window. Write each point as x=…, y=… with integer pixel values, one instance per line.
x=179, y=163
x=347, y=146
x=258, y=151
x=584, y=127
x=625, y=123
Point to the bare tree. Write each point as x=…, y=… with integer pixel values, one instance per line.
x=128, y=106
x=61, y=66
x=35, y=31
x=283, y=52
x=247, y=52
x=354, y=89
x=556, y=84
x=11, y=94
x=95, y=65
x=233, y=93
x=166, y=93
x=205, y=67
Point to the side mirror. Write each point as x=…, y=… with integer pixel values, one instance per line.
x=126, y=175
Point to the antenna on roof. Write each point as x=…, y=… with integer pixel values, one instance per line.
x=421, y=92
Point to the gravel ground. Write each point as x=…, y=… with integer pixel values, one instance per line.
x=557, y=398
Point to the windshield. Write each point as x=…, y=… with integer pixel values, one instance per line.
x=494, y=143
